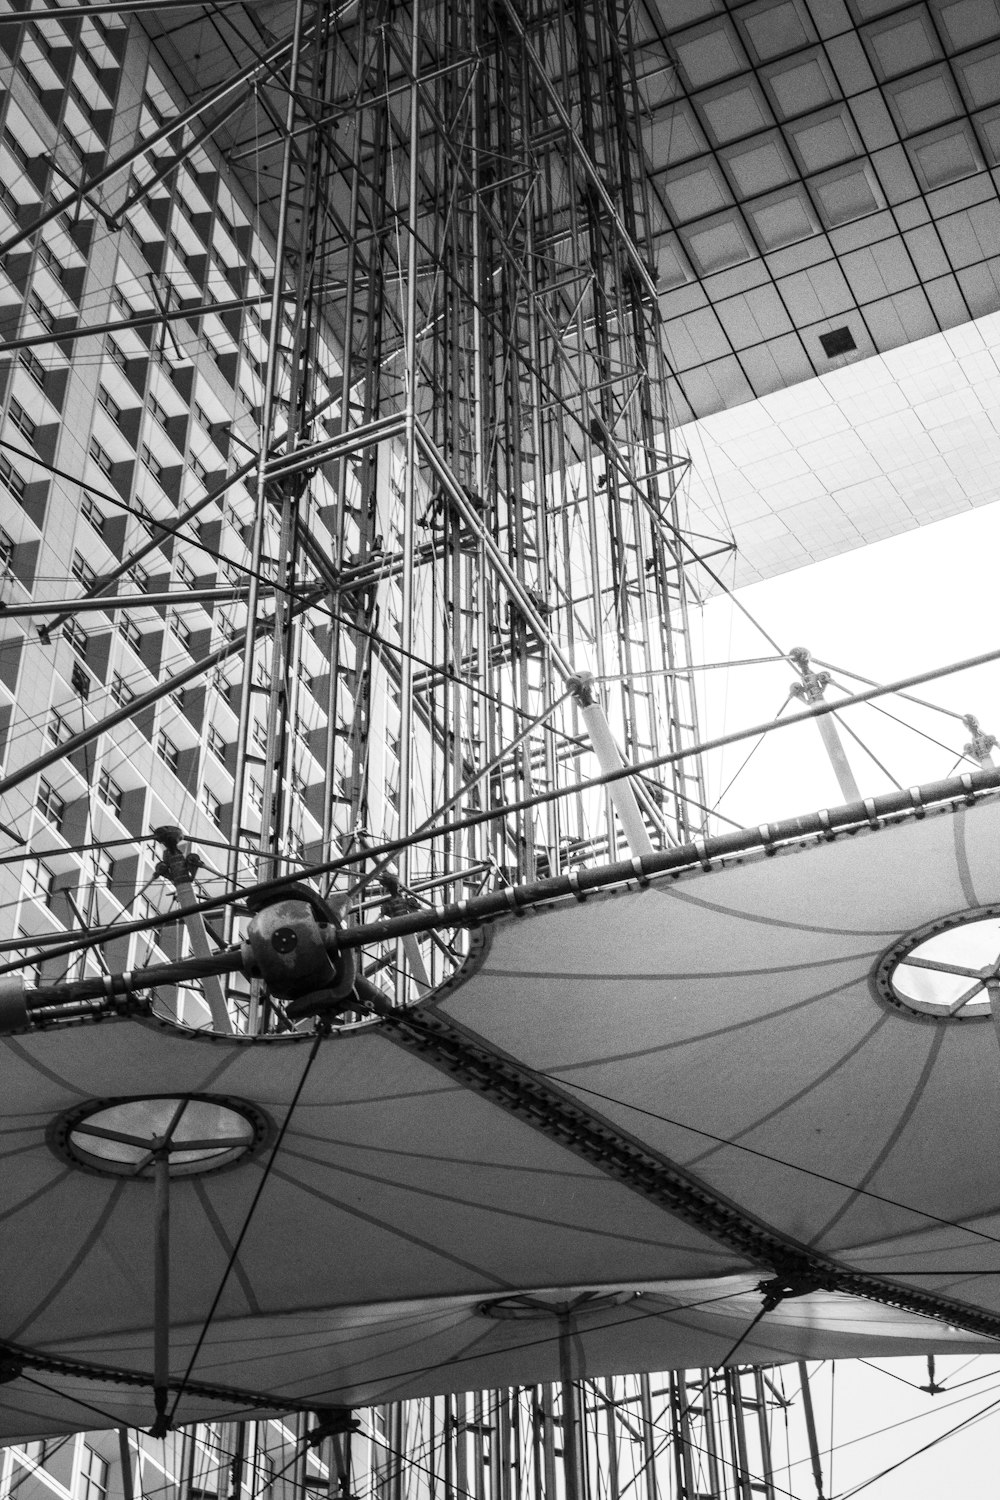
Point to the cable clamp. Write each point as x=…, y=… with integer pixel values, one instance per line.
x=966, y=781
x=573, y=881
x=640, y=873
x=701, y=849
x=766, y=836
x=511, y=894
x=776, y=1291
x=918, y=801
x=871, y=810
x=823, y=817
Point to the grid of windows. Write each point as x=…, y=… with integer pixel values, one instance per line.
x=12, y=481
x=109, y=791
x=33, y=365
x=167, y=751
x=77, y=637
x=57, y=729
x=143, y=514
x=181, y=631
x=129, y=631
x=30, y=971
x=49, y=803
x=103, y=866
x=125, y=370
x=108, y=402
x=93, y=1468
x=19, y=418
x=102, y=458
x=92, y=513
x=51, y=261
x=121, y=693
x=38, y=881
x=116, y=353
x=151, y=462
x=212, y=806
x=38, y=305
x=82, y=571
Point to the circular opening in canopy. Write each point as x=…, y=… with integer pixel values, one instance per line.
x=523, y=1307
x=128, y=1137
x=946, y=970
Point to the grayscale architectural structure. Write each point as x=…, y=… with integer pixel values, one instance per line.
x=353, y=361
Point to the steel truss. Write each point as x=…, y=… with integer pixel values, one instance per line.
x=465, y=494
x=469, y=181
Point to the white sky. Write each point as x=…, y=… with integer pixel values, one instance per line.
x=919, y=600
x=923, y=599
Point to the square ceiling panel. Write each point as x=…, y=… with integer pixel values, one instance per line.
x=760, y=165
x=980, y=73
x=696, y=190
x=968, y=22
x=988, y=129
x=673, y=135
x=923, y=101
x=824, y=140
x=709, y=53
x=946, y=155
x=671, y=265
x=735, y=110
x=776, y=27
x=801, y=85
x=902, y=44
x=783, y=218
x=719, y=244
x=677, y=13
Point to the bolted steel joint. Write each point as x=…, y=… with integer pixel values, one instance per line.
x=176, y=864
x=811, y=685
x=981, y=746
x=291, y=943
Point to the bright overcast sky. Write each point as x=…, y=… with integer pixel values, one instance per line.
x=918, y=600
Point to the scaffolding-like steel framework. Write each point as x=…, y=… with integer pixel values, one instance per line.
x=466, y=496
x=462, y=202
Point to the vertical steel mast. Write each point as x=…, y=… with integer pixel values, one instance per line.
x=505, y=515
x=502, y=558
x=466, y=577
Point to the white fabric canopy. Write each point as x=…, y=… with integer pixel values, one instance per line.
x=726, y=1020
